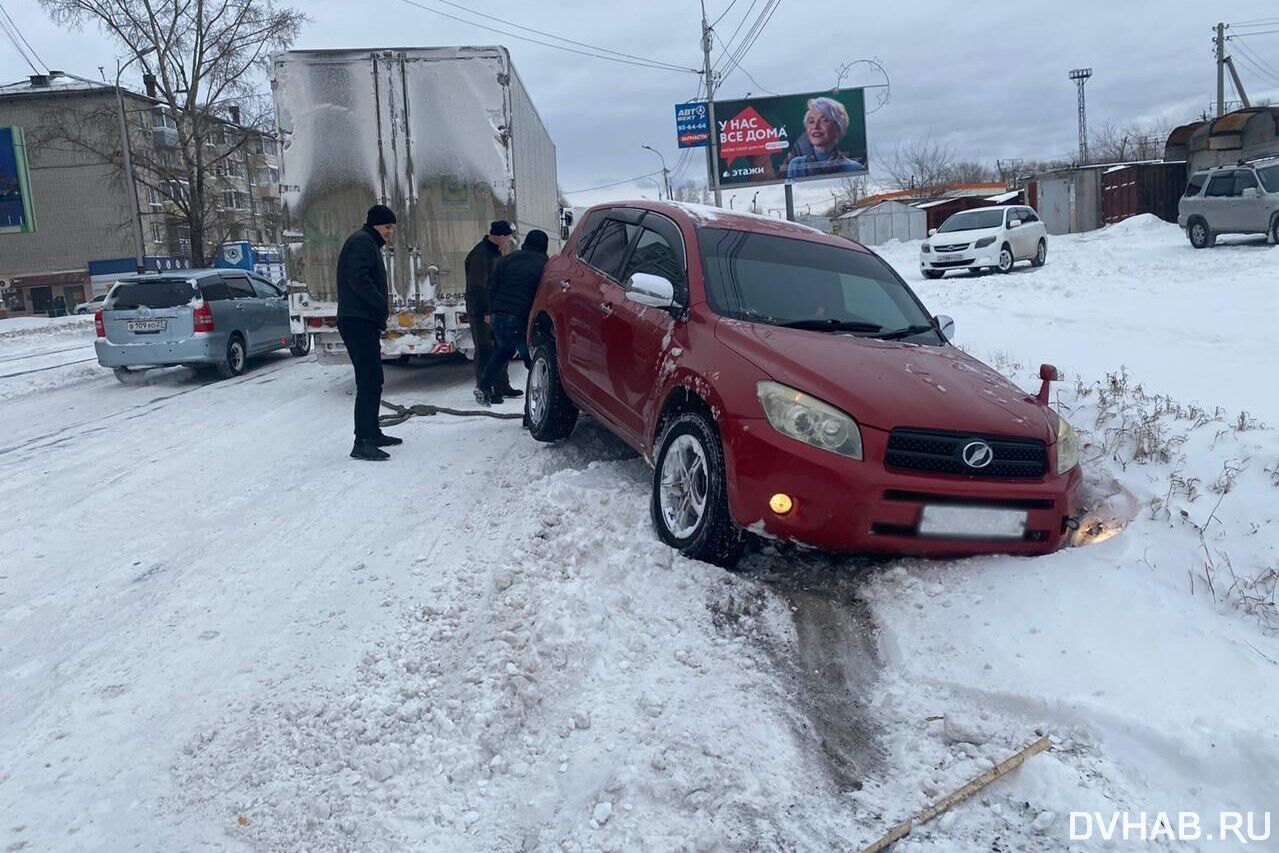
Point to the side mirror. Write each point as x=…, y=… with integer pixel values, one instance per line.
x=1249, y=192
x=1048, y=374
x=563, y=232
x=651, y=290
x=945, y=326
x=568, y=217
x=1014, y=223
x=932, y=231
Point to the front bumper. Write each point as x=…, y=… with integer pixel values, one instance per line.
x=198, y=350
x=987, y=257
x=842, y=505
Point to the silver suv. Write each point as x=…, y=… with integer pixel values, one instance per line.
x=201, y=318
x=1242, y=199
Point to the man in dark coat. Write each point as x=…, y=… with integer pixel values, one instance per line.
x=363, y=306
x=511, y=293
x=479, y=269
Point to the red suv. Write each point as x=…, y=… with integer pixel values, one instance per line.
x=787, y=383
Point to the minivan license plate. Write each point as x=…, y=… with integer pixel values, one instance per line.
x=148, y=325
x=966, y=522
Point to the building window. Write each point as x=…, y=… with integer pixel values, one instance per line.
x=157, y=232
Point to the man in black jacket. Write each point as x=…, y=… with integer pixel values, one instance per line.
x=363, y=306
x=479, y=269
x=511, y=293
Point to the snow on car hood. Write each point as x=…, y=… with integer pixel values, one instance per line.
x=887, y=384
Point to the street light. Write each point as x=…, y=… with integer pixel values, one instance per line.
x=665, y=180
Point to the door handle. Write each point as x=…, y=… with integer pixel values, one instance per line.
x=565, y=285
x=606, y=307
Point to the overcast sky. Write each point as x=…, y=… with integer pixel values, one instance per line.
x=987, y=78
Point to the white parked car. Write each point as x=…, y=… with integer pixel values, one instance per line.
x=987, y=238
x=92, y=305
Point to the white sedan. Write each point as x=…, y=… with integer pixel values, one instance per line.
x=91, y=306
x=984, y=239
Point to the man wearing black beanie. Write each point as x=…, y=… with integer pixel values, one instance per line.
x=363, y=306
x=510, y=297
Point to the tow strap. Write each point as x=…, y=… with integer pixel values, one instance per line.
x=403, y=413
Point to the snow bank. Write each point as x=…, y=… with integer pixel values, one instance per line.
x=41, y=324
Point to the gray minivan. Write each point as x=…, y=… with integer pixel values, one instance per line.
x=200, y=318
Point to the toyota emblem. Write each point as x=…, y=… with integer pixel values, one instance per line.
x=977, y=454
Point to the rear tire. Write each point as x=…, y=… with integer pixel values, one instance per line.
x=130, y=377
x=689, y=504
x=232, y=364
x=399, y=360
x=549, y=414
x=1041, y=254
x=1274, y=231
x=933, y=275
x=1201, y=236
x=301, y=345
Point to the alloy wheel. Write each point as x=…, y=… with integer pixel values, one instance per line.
x=684, y=484
x=539, y=385
x=1005, y=259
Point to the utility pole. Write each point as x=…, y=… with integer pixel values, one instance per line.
x=712, y=148
x=1080, y=76
x=1221, y=69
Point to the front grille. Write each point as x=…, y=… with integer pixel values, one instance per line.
x=942, y=453
x=958, y=247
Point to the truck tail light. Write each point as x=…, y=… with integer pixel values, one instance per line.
x=204, y=317
x=315, y=322
x=98, y=325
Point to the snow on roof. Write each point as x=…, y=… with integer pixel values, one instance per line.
x=57, y=83
x=1003, y=197
x=705, y=214
x=923, y=205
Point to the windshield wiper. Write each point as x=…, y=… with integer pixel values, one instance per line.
x=906, y=332
x=830, y=324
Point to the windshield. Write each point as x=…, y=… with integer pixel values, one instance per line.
x=1269, y=178
x=783, y=281
x=971, y=220
x=155, y=293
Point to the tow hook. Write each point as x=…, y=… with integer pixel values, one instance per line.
x=1072, y=522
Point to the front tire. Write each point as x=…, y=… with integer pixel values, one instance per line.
x=933, y=275
x=1006, y=259
x=1274, y=231
x=689, y=504
x=236, y=357
x=1041, y=253
x=549, y=414
x=301, y=345
x=1201, y=237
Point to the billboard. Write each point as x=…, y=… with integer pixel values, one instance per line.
x=692, y=125
x=16, y=213
x=815, y=136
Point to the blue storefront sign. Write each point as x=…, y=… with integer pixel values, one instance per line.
x=692, y=124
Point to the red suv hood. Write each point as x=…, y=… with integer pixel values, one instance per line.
x=887, y=384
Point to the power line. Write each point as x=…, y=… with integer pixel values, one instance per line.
x=18, y=30
x=753, y=36
x=749, y=9
x=726, y=61
x=725, y=12
x=1262, y=33
x=1253, y=22
x=13, y=34
x=593, y=52
x=614, y=184
x=758, y=84
x=1247, y=52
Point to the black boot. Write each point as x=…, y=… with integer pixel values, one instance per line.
x=368, y=451
x=483, y=398
x=510, y=393
x=384, y=440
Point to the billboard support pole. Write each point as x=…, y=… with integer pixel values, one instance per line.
x=790, y=202
x=712, y=146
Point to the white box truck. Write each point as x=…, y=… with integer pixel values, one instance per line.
x=447, y=137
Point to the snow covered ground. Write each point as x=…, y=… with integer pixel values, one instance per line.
x=217, y=632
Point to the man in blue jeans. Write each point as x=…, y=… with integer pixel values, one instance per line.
x=512, y=289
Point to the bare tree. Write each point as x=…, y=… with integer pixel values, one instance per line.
x=970, y=172
x=205, y=58
x=1113, y=143
x=850, y=193
x=692, y=191
x=922, y=164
